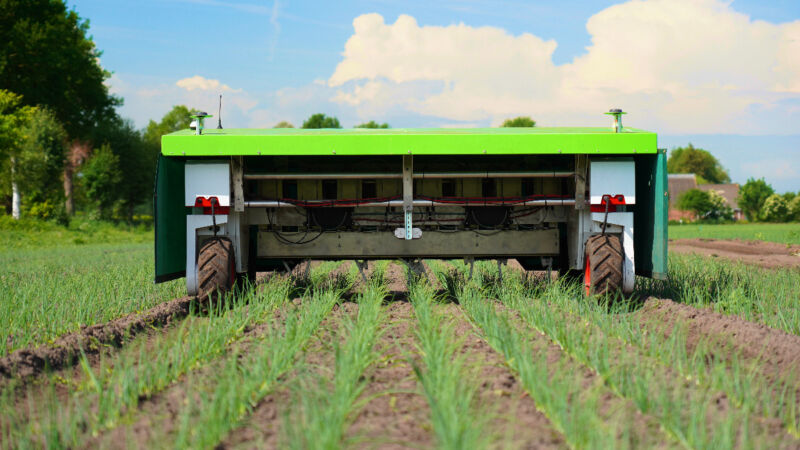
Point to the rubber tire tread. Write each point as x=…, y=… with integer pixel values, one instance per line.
x=605, y=260
x=214, y=267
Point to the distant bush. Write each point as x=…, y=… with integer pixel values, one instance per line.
x=752, y=197
x=794, y=209
x=707, y=205
x=775, y=209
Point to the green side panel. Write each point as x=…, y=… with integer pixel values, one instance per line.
x=650, y=215
x=403, y=141
x=170, y=218
x=660, y=232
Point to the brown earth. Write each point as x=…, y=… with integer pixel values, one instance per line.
x=66, y=350
x=397, y=414
x=518, y=423
x=770, y=255
x=777, y=352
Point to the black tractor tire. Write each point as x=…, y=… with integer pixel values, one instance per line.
x=603, y=265
x=216, y=268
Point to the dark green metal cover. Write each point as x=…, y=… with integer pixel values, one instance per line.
x=170, y=219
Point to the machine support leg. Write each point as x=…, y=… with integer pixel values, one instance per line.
x=500, y=263
x=307, y=270
x=408, y=194
x=471, y=261
x=361, y=266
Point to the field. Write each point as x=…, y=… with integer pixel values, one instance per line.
x=425, y=358
x=782, y=233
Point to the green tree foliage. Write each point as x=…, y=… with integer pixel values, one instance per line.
x=519, y=122
x=41, y=161
x=100, y=178
x=13, y=118
x=372, y=124
x=283, y=124
x=137, y=157
x=699, y=162
x=774, y=209
x=320, y=120
x=752, y=197
x=176, y=119
x=696, y=201
x=46, y=56
x=794, y=209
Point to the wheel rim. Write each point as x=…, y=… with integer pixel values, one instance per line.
x=587, y=275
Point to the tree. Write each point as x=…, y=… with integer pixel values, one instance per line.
x=320, y=120
x=283, y=124
x=794, y=209
x=41, y=162
x=696, y=201
x=100, y=178
x=752, y=197
x=13, y=119
x=775, y=209
x=699, y=162
x=372, y=124
x=137, y=155
x=176, y=119
x=47, y=57
x=519, y=122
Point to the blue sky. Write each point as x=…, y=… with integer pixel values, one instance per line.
x=722, y=75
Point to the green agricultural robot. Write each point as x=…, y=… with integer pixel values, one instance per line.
x=590, y=201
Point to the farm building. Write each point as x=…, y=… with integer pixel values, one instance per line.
x=678, y=183
x=730, y=192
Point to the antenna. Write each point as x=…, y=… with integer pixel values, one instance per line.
x=219, y=113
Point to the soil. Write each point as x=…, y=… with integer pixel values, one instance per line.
x=770, y=255
x=66, y=350
x=397, y=414
x=776, y=352
x=396, y=281
x=517, y=422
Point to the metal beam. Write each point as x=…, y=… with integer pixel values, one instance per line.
x=408, y=194
x=432, y=244
x=397, y=176
x=418, y=203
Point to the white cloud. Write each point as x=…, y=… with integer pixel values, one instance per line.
x=679, y=66
x=204, y=84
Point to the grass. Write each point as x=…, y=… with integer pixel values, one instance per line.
x=29, y=233
x=768, y=296
x=49, y=292
x=782, y=233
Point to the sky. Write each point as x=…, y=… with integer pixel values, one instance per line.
x=723, y=75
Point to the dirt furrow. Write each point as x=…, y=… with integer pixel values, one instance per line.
x=769, y=255
x=66, y=350
x=777, y=352
x=396, y=414
x=518, y=423
x=263, y=427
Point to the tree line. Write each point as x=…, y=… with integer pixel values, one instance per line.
x=757, y=199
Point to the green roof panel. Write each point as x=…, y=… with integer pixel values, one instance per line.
x=401, y=141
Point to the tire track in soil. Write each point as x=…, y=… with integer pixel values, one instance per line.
x=397, y=414
x=777, y=352
x=518, y=421
x=263, y=427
